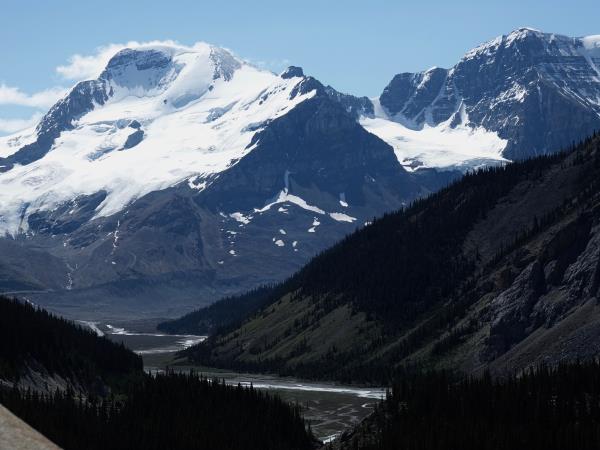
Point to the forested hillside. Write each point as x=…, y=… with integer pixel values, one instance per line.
x=37, y=347
x=223, y=313
x=543, y=409
x=86, y=392
x=486, y=273
x=166, y=412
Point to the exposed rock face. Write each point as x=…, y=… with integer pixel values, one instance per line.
x=292, y=72
x=357, y=106
x=512, y=308
x=411, y=93
x=539, y=91
x=134, y=139
x=60, y=117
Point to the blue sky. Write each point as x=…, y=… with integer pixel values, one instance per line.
x=356, y=46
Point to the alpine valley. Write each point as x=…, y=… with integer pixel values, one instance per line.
x=198, y=253
x=184, y=174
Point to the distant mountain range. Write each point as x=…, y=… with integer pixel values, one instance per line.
x=183, y=174
x=525, y=94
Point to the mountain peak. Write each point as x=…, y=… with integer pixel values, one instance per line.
x=291, y=72
x=155, y=66
x=526, y=30
x=143, y=59
x=137, y=68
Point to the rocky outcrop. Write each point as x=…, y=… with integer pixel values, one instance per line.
x=79, y=101
x=510, y=311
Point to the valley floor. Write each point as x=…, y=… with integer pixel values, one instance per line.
x=330, y=408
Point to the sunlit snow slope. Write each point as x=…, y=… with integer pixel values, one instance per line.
x=442, y=146
x=170, y=113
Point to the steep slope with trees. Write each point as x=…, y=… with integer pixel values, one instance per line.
x=86, y=392
x=41, y=351
x=542, y=409
x=497, y=271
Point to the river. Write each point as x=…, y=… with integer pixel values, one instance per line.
x=330, y=408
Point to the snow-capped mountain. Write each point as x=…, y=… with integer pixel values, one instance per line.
x=188, y=113
x=182, y=174
x=519, y=95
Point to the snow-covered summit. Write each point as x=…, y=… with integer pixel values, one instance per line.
x=516, y=96
x=156, y=116
x=530, y=41
x=187, y=72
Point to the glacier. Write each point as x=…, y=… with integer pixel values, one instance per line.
x=198, y=107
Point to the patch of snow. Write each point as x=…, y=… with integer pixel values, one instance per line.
x=69, y=284
x=116, y=237
x=196, y=183
x=343, y=201
x=516, y=93
x=285, y=197
x=11, y=143
x=329, y=439
x=591, y=42
x=239, y=217
x=487, y=48
x=116, y=330
x=93, y=326
x=441, y=146
x=341, y=217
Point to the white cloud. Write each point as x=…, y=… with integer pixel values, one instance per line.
x=274, y=65
x=87, y=67
x=10, y=95
x=9, y=126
